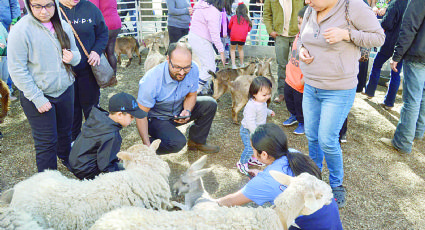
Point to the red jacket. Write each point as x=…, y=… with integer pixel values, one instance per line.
x=109, y=12
x=238, y=32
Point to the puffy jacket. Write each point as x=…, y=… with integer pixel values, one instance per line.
x=391, y=24
x=110, y=13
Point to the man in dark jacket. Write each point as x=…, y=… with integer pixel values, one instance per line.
x=95, y=149
x=391, y=24
x=411, y=48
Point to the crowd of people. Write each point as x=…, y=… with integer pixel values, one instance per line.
x=318, y=47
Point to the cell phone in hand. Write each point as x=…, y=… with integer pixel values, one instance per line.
x=180, y=117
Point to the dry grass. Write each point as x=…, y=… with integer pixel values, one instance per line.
x=386, y=190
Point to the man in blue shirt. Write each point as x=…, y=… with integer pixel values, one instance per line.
x=168, y=92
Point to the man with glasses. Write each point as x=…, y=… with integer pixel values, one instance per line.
x=168, y=92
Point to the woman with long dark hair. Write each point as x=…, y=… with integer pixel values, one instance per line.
x=270, y=147
x=42, y=50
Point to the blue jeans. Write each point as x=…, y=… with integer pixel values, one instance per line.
x=324, y=114
x=375, y=74
x=254, y=30
x=246, y=140
x=412, y=115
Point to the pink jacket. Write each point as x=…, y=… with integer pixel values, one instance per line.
x=206, y=23
x=109, y=12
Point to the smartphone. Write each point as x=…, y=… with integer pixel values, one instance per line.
x=180, y=117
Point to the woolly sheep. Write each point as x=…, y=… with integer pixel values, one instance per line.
x=62, y=203
x=304, y=195
x=11, y=219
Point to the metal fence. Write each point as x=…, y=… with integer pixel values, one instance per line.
x=142, y=17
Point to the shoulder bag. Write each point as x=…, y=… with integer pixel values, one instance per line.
x=103, y=73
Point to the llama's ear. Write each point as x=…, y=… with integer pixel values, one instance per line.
x=124, y=155
x=312, y=203
x=197, y=165
x=201, y=173
x=280, y=177
x=155, y=144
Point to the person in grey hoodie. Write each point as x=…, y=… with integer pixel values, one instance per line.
x=330, y=37
x=41, y=52
x=179, y=12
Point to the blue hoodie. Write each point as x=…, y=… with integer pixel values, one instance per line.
x=35, y=59
x=9, y=9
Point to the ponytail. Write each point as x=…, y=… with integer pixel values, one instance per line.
x=272, y=139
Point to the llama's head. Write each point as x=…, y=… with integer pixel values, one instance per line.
x=142, y=155
x=304, y=195
x=193, y=173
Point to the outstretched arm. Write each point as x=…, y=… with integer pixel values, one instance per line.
x=235, y=199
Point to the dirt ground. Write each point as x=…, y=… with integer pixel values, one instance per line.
x=385, y=190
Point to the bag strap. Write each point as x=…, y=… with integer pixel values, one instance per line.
x=75, y=33
x=347, y=17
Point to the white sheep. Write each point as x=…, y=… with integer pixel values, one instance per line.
x=63, y=203
x=11, y=219
x=304, y=195
x=154, y=57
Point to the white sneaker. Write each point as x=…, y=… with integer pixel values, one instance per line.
x=255, y=161
x=234, y=67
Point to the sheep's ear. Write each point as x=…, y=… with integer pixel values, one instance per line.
x=6, y=196
x=155, y=144
x=312, y=203
x=201, y=173
x=197, y=165
x=280, y=177
x=124, y=155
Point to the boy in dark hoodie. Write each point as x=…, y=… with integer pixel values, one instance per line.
x=96, y=147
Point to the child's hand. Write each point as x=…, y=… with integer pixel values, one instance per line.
x=272, y=114
x=253, y=172
x=67, y=56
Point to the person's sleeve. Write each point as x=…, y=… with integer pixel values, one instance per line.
x=231, y=22
x=15, y=9
x=76, y=58
x=250, y=115
x=107, y=154
x=269, y=112
x=413, y=19
x=267, y=16
x=195, y=83
x=390, y=17
x=147, y=90
x=214, y=30
x=258, y=190
x=18, y=68
x=368, y=32
x=101, y=33
x=172, y=10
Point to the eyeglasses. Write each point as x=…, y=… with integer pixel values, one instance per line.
x=185, y=69
x=38, y=7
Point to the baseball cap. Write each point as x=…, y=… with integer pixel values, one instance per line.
x=124, y=102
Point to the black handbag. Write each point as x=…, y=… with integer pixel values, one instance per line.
x=103, y=73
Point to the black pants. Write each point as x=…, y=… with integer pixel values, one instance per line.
x=294, y=102
x=362, y=76
x=172, y=140
x=176, y=33
x=344, y=128
x=51, y=130
x=110, y=48
x=87, y=93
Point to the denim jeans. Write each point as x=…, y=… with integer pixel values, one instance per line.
x=51, y=130
x=412, y=115
x=375, y=74
x=246, y=140
x=324, y=115
x=282, y=47
x=254, y=30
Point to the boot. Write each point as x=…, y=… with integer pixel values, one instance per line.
x=206, y=148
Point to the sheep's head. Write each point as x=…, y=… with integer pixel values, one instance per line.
x=193, y=173
x=304, y=195
x=138, y=155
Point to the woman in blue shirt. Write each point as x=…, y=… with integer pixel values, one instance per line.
x=270, y=147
